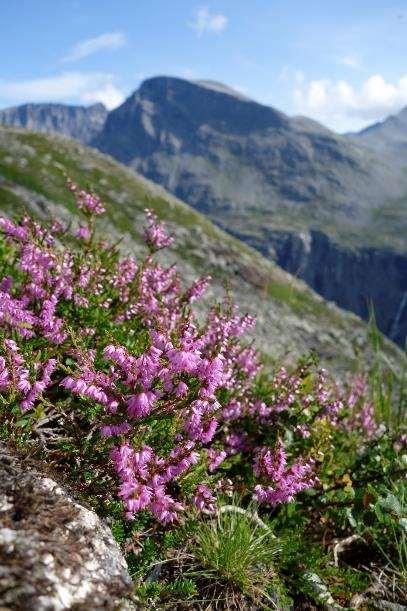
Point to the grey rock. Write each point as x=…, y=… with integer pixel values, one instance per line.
x=55, y=554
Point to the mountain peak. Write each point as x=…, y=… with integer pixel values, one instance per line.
x=157, y=82
x=388, y=137
x=202, y=87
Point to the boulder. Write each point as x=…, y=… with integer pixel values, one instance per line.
x=54, y=553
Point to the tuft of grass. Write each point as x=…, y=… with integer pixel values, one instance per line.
x=234, y=553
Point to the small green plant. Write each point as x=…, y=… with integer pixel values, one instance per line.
x=235, y=552
x=383, y=525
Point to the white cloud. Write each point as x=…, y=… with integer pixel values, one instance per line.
x=351, y=61
x=204, y=21
x=343, y=106
x=77, y=87
x=108, y=94
x=84, y=48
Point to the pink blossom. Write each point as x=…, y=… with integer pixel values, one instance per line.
x=204, y=499
x=140, y=405
x=155, y=234
x=83, y=233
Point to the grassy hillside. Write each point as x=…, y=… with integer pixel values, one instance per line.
x=292, y=319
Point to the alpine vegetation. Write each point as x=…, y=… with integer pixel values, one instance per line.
x=157, y=410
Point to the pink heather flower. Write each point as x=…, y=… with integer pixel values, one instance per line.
x=86, y=201
x=16, y=375
x=126, y=272
x=164, y=507
x=115, y=429
x=215, y=458
x=209, y=431
x=211, y=372
x=6, y=284
x=236, y=442
x=200, y=425
x=181, y=360
x=270, y=464
x=155, y=234
x=4, y=375
x=14, y=313
x=39, y=386
x=197, y=289
x=83, y=233
x=232, y=411
x=120, y=356
x=91, y=389
x=12, y=230
x=140, y=405
x=286, y=482
x=203, y=499
x=181, y=390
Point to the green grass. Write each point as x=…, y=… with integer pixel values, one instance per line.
x=233, y=552
x=300, y=301
x=9, y=202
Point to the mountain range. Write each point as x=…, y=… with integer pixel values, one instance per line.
x=330, y=209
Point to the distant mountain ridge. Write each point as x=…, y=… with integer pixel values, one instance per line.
x=83, y=123
x=331, y=209
x=387, y=137
x=321, y=205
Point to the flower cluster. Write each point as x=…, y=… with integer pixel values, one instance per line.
x=287, y=481
x=169, y=392
x=361, y=409
x=15, y=375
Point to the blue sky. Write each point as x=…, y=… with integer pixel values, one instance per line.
x=343, y=63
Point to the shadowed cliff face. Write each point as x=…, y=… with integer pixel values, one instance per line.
x=357, y=280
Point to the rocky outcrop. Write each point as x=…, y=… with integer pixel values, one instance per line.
x=80, y=122
x=361, y=280
x=54, y=553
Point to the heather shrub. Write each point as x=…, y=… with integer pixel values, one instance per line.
x=103, y=355
x=158, y=416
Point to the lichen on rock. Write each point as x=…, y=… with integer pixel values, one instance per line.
x=54, y=553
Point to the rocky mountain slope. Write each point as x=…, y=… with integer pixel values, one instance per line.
x=291, y=188
x=81, y=122
x=327, y=208
x=292, y=319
